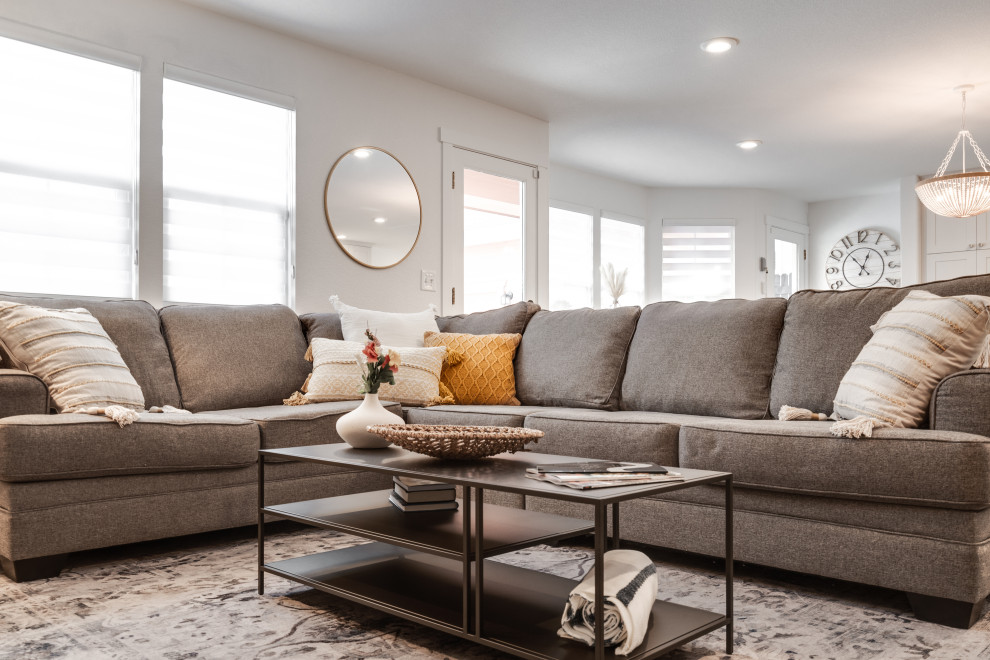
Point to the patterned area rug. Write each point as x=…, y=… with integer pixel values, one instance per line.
x=195, y=597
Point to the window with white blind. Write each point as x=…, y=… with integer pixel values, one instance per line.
x=227, y=176
x=698, y=262
x=68, y=173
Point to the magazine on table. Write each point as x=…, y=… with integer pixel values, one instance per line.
x=598, y=467
x=604, y=479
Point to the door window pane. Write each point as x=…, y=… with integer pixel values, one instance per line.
x=623, y=246
x=572, y=268
x=493, y=241
x=698, y=262
x=227, y=176
x=68, y=174
x=785, y=267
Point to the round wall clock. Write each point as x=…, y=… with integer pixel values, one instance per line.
x=864, y=258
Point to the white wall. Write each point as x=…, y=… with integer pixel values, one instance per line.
x=749, y=209
x=831, y=220
x=598, y=192
x=341, y=103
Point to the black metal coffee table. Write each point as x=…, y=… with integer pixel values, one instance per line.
x=432, y=567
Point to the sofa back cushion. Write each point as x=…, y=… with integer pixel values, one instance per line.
x=229, y=356
x=134, y=327
x=824, y=331
x=322, y=325
x=574, y=358
x=511, y=319
x=704, y=358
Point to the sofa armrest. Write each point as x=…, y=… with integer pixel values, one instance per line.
x=22, y=393
x=961, y=403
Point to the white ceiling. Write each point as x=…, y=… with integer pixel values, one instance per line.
x=847, y=95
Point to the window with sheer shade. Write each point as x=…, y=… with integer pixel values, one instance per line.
x=227, y=176
x=698, y=262
x=68, y=173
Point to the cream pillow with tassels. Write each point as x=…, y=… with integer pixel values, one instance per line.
x=72, y=354
x=923, y=339
x=337, y=375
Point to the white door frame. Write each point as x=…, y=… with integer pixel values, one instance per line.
x=784, y=230
x=536, y=228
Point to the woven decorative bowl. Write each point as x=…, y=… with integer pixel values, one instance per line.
x=457, y=442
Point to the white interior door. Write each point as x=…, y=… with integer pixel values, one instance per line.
x=787, y=261
x=489, y=231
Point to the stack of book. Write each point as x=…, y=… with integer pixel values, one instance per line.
x=602, y=474
x=410, y=494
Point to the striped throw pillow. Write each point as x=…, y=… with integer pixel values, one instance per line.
x=923, y=339
x=337, y=375
x=70, y=351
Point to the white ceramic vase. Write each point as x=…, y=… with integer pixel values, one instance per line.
x=353, y=427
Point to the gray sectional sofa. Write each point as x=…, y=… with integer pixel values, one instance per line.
x=693, y=385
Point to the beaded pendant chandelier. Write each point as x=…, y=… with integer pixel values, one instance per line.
x=958, y=195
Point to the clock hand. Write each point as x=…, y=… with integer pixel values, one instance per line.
x=865, y=261
x=861, y=266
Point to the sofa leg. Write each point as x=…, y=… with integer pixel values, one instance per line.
x=36, y=568
x=945, y=611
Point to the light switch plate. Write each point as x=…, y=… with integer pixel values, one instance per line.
x=428, y=280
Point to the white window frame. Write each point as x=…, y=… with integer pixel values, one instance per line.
x=215, y=83
x=596, y=215
x=100, y=53
x=633, y=220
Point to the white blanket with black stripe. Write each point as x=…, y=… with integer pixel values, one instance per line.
x=630, y=591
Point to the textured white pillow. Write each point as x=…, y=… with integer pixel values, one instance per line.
x=391, y=328
x=70, y=351
x=337, y=374
x=923, y=339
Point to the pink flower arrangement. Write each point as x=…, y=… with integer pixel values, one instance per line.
x=379, y=366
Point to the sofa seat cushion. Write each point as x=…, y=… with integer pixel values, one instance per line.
x=917, y=466
x=622, y=435
x=73, y=446
x=471, y=415
x=25, y=496
x=299, y=426
x=930, y=522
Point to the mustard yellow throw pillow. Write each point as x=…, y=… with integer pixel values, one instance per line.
x=478, y=369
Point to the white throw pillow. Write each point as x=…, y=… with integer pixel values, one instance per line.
x=70, y=351
x=392, y=329
x=923, y=339
x=337, y=374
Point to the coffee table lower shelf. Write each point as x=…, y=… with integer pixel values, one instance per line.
x=522, y=607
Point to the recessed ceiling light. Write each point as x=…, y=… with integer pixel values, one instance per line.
x=749, y=145
x=719, y=44
x=362, y=153
x=341, y=237
x=380, y=220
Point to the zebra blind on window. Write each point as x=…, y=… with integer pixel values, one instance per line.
x=68, y=173
x=698, y=262
x=227, y=175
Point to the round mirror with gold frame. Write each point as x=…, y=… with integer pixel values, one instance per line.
x=373, y=207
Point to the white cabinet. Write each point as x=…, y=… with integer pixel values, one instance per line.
x=945, y=266
x=956, y=246
x=983, y=262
